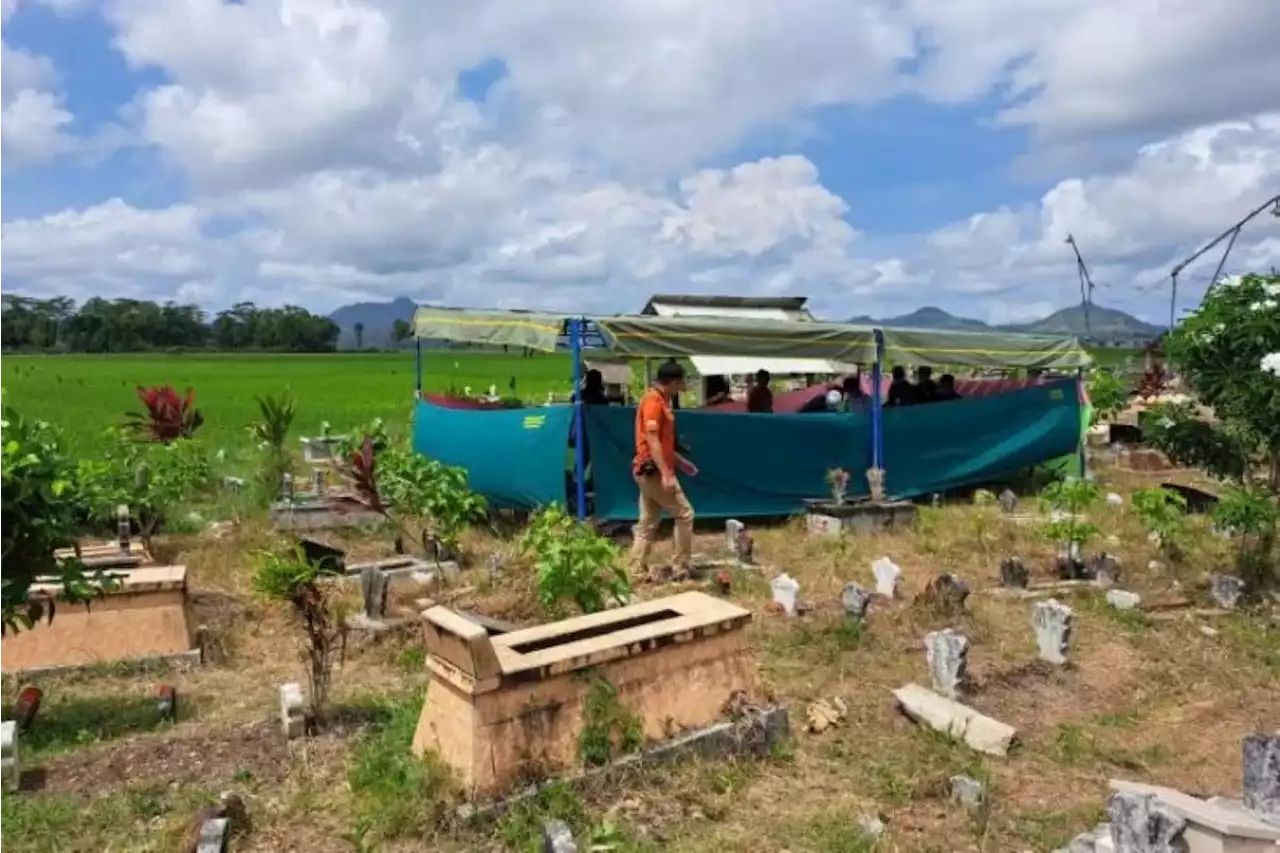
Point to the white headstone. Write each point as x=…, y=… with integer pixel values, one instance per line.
x=947, y=654
x=1051, y=621
x=732, y=530
x=1226, y=590
x=9, y=753
x=786, y=592
x=888, y=575
x=292, y=714
x=1122, y=599
x=213, y=836
x=1114, y=499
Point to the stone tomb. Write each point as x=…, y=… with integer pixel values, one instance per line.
x=827, y=518
x=322, y=512
x=500, y=709
x=145, y=617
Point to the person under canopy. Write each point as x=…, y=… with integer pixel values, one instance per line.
x=760, y=397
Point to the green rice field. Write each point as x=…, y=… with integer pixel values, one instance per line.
x=87, y=394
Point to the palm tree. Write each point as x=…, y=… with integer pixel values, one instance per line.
x=359, y=329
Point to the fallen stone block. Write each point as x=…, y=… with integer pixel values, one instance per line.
x=952, y=718
x=1211, y=826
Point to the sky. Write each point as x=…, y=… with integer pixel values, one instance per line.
x=874, y=155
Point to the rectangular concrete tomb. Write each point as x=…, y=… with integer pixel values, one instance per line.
x=503, y=709
x=826, y=518
x=146, y=616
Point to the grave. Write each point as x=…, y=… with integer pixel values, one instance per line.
x=825, y=517
x=1051, y=621
x=325, y=512
x=503, y=708
x=145, y=617
x=319, y=449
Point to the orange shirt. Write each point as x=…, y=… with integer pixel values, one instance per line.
x=656, y=409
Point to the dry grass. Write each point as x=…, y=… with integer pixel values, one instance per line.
x=1145, y=699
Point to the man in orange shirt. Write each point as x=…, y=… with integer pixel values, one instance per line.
x=654, y=468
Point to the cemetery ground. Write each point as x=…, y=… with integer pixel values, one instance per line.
x=1162, y=697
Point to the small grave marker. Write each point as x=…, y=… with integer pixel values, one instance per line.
x=1261, y=766
x=1140, y=823
x=557, y=837
x=786, y=592
x=856, y=600
x=888, y=576
x=1013, y=574
x=124, y=528
x=292, y=714
x=9, y=754
x=967, y=791
x=1106, y=570
x=286, y=488
x=1122, y=599
x=947, y=592
x=374, y=585
x=1008, y=501
x=1114, y=499
x=732, y=527
x=167, y=703
x=1226, y=590
x=213, y=836
x=947, y=654
x=317, y=482
x=1051, y=621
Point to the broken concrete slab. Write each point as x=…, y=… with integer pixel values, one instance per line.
x=950, y=717
x=1209, y=826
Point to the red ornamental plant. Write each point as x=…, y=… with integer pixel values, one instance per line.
x=168, y=417
x=359, y=469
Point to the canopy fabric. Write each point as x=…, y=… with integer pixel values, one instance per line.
x=681, y=337
x=492, y=328
x=983, y=349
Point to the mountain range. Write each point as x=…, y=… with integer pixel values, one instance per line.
x=1106, y=326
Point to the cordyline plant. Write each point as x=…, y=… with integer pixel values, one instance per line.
x=167, y=416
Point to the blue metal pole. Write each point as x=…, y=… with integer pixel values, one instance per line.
x=1083, y=448
x=877, y=426
x=417, y=363
x=579, y=444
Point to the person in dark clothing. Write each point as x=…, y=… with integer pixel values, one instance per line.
x=854, y=400
x=926, y=388
x=760, y=397
x=717, y=390
x=901, y=392
x=947, y=388
x=593, y=389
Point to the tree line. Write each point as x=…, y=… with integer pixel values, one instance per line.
x=137, y=325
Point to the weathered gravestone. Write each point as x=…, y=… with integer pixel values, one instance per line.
x=1051, y=621
x=732, y=527
x=1013, y=573
x=1226, y=590
x=1140, y=823
x=9, y=754
x=1261, y=766
x=557, y=837
x=856, y=600
x=967, y=791
x=292, y=713
x=888, y=576
x=946, y=592
x=947, y=654
x=286, y=488
x=1106, y=570
x=374, y=585
x=1008, y=501
x=786, y=592
x=213, y=836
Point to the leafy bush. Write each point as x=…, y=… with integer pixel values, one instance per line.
x=1223, y=450
x=1163, y=513
x=271, y=434
x=286, y=575
x=1251, y=515
x=1066, y=501
x=574, y=563
x=40, y=513
x=167, y=416
x=1108, y=395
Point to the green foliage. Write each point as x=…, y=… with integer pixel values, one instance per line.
x=375, y=430
x=1226, y=352
x=1108, y=395
x=574, y=562
x=1164, y=514
x=284, y=574
x=270, y=433
x=608, y=728
x=1251, y=515
x=411, y=485
x=1066, y=501
x=40, y=513
x=1223, y=450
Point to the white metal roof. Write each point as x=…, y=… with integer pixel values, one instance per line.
x=734, y=312
x=728, y=366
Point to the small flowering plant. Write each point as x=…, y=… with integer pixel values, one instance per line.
x=838, y=480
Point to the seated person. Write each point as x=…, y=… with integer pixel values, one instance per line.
x=816, y=403
x=593, y=389
x=760, y=398
x=901, y=392
x=717, y=390
x=926, y=388
x=947, y=388
x=854, y=400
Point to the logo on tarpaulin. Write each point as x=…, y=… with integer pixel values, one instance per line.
x=534, y=421
x=1055, y=394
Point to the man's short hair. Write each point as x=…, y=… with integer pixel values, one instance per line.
x=670, y=371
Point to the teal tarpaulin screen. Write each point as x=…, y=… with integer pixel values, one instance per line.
x=754, y=465
x=943, y=446
x=748, y=464
x=514, y=457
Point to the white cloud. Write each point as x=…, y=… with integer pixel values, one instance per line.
x=33, y=120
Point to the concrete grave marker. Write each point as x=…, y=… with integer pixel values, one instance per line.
x=856, y=600
x=888, y=576
x=9, y=754
x=967, y=791
x=317, y=482
x=557, y=837
x=1226, y=590
x=732, y=527
x=1261, y=765
x=1141, y=823
x=948, y=592
x=786, y=592
x=374, y=585
x=947, y=654
x=292, y=714
x=1122, y=599
x=213, y=836
x=493, y=565
x=286, y=488
x=1114, y=499
x=1051, y=621
x=1013, y=574
x=1008, y=501
x=1106, y=570
x=124, y=528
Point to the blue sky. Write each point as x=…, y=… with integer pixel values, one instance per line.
x=875, y=156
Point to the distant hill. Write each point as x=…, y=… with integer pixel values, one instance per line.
x=1108, y=326
x=378, y=319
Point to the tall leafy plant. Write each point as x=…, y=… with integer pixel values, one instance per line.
x=1251, y=516
x=271, y=433
x=166, y=416
x=1164, y=514
x=1067, y=501
x=574, y=563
